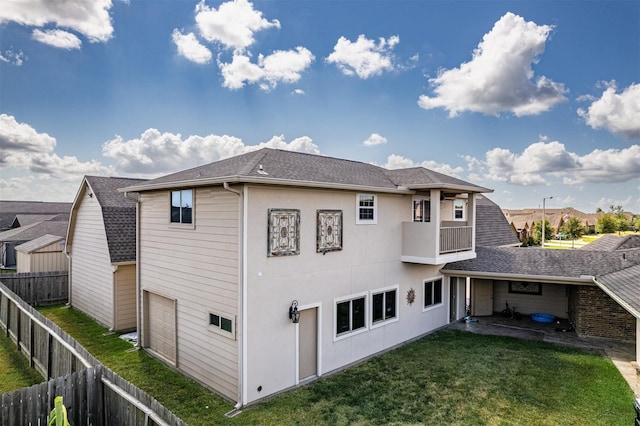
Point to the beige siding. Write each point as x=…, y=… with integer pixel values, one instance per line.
x=91, y=270
x=46, y=259
x=369, y=261
x=198, y=267
x=125, y=297
x=553, y=300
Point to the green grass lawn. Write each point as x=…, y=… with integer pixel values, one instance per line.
x=447, y=378
x=14, y=368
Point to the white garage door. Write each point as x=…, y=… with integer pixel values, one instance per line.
x=161, y=325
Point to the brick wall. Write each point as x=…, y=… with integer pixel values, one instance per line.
x=598, y=315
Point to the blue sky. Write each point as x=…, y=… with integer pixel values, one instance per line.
x=530, y=98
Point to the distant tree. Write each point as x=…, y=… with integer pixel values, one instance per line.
x=573, y=228
x=599, y=210
x=636, y=222
x=622, y=220
x=606, y=224
x=537, y=232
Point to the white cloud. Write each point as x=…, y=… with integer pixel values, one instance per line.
x=363, y=57
x=298, y=92
x=156, y=153
x=88, y=17
x=395, y=161
x=375, y=139
x=233, y=24
x=189, y=47
x=499, y=77
x=24, y=148
x=57, y=38
x=280, y=66
x=543, y=161
x=617, y=113
x=13, y=58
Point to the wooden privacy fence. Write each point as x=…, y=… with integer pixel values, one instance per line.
x=92, y=393
x=39, y=288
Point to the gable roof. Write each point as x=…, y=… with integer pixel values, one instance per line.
x=534, y=263
x=10, y=209
x=35, y=230
x=611, y=242
x=38, y=243
x=492, y=228
x=118, y=214
x=28, y=219
x=279, y=167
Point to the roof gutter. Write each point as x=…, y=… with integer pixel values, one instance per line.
x=583, y=279
x=264, y=180
x=617, y=299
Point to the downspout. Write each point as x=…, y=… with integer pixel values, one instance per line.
x=66, y=253
x=242, y=293
x=136, y=198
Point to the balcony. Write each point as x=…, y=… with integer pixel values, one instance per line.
x=435, y=244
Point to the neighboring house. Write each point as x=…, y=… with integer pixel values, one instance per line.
x=523, y=220
x=14, y=237
x=230, y=252
x=44, y=254
x=101, y=245
x=9, y=210
x=595, y=286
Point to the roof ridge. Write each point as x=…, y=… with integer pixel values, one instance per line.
x=255, y=159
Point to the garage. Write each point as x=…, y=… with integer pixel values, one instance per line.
x=160, y=325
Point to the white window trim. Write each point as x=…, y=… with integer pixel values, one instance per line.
x=348, y=334
x=384, y=322
x=464, y=213
x=420, y=198
x=435, y=305
x=218, y=329
x=180, y=225
x=375, y=210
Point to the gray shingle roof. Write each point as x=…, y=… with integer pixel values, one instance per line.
x=296, y=168
x=35, y=230
x=613, y=243
x=538, y=262
x=118, y=214
x=10, y=209
x=492, y=228
x=625, y=284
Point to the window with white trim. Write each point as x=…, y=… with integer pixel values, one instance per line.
x=421, y=210
x=366, y=209
x=182, y=206
x=351, y=315
x=384, y=305
x=458, y=210
x=432, y=293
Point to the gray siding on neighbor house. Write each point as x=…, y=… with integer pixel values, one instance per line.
x=198, y=267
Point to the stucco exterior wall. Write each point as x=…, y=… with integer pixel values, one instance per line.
x=369, y=260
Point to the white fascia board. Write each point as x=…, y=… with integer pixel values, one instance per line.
x=520, y=277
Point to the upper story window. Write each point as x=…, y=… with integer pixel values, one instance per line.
x=182, y=206
x=458, y=210
x=366, y=209
x=422, y=210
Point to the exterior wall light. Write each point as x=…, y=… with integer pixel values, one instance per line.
x=294, y=314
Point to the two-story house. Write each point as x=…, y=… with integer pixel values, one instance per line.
x=272, y=268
